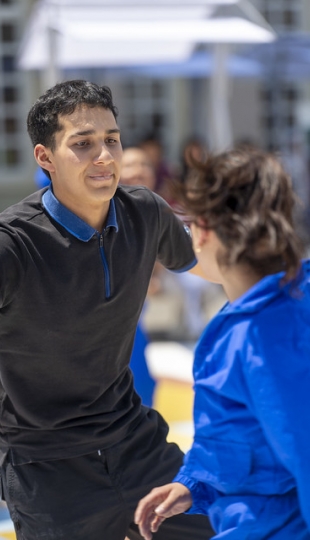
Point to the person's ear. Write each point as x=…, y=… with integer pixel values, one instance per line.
x=43, y=157
x=203, y=236
x=200, y=237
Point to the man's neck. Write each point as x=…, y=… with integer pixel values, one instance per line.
x=95, y=216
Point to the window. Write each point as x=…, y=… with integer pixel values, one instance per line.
x=10, y=125
x=290, y=94
x=290, y=120
x=10, y=94
x=269, y=122
x=282, y=14
x=145, y=109
x=157, y=90
x=12, y=156
x=266, y=94
x=7, y=33
x=157, y=121
x=8, y=63
x=288, y=17
x=280, y=100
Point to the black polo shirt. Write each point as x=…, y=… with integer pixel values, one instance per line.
x=70, y=299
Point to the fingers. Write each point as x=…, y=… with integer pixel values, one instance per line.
x=157, y=521
x=159, y=504
x=148, y=504
x=178, y=500
x=145, y=516
x=150, y=525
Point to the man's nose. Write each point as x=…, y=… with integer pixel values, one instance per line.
x=103, y=155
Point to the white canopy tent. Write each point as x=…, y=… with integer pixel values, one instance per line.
x=105, y=33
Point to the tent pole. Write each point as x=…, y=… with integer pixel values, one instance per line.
x=220, y=131
x=51, y=73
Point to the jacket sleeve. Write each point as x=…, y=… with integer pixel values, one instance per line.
x=277, y=372
x=203, y=495
x=213, y=466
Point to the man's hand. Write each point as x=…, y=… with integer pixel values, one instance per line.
x=161, y=503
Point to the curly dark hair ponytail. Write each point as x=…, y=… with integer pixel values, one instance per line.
x=246, y=197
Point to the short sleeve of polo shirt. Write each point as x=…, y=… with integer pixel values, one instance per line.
x=175, y=250
x=11, y=264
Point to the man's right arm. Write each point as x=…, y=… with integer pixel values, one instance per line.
x=12, y=265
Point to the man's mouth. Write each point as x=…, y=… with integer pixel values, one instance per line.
x=103, y=176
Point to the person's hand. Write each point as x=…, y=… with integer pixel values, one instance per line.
x=161, y=503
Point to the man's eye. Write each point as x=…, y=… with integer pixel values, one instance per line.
x=81, y=144
x=112, y=141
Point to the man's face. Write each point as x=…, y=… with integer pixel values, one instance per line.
x=86, y=161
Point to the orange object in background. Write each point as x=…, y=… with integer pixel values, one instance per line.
x=174, y=401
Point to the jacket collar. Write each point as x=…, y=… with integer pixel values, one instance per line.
x=70, y=221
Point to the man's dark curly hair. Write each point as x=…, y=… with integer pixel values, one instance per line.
x=62, y=99
x=247, y=198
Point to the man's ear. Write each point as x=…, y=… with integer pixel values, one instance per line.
x=43, y=157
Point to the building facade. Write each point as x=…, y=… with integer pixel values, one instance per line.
x=269, y=115
x=15, y=96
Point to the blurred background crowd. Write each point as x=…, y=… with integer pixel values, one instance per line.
x=198, y=75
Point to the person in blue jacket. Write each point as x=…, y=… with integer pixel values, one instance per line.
x=248, y=468
x=41, y=179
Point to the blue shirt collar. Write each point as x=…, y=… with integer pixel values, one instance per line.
x=70, y=221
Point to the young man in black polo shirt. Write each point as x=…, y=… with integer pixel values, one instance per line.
x=78, y=449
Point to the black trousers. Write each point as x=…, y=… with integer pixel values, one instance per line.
x=93, y=497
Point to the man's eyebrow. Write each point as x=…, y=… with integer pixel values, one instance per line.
x=91, y=132
x=113, y=130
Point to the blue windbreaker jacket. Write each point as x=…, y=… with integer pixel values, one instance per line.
x=249, y=465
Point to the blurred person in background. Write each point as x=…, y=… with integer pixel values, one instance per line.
x=41, y=179
x=164, y=173
x=193, y=148
x=137, y=170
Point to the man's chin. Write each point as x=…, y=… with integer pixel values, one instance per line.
x=104, y=191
